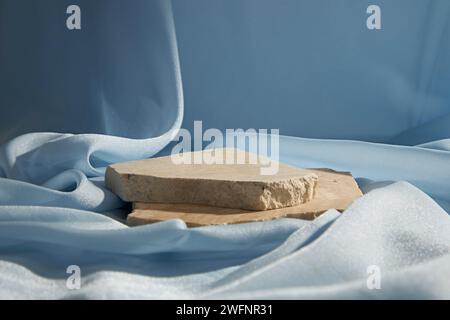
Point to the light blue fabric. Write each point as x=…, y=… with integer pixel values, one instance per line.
x=56, y=212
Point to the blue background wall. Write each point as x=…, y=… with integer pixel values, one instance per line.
x=313, y=69
x=308, y=67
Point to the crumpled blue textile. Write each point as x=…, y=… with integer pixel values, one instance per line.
x=55, y=211
x=394, y=226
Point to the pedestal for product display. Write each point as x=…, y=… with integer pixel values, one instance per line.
x=335, y=190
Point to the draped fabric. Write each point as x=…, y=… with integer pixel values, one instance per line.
x=73, y=102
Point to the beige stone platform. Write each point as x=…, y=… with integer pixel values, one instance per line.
x=240, y=186
x=334, y=190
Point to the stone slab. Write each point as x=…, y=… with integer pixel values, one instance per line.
x=240, y=186
x=334, y=190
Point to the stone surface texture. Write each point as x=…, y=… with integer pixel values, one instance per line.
x=335, y=190
x=241, y=186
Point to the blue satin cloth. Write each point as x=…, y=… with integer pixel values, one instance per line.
x=127, y=103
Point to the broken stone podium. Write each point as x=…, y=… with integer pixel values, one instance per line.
x=226, y=193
